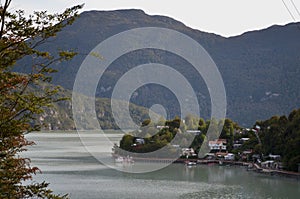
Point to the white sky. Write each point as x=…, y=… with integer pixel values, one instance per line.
x=223, y=17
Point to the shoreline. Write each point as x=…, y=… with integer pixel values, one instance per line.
x=280, y=173
x=253, y=167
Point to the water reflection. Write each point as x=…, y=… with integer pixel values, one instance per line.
x=70, y=169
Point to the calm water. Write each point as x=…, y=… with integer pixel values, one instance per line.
x=70, y=169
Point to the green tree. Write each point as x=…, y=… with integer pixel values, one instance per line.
x=174, y=124
x=227, y=133
x=146, y=122
x=279, y=135
x=292, y=141
x=126, y=142
x=202, y=125
x=19, y=105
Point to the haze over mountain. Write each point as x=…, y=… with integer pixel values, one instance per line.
x=260, y=69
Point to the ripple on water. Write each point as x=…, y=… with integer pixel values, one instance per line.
x=218, y=192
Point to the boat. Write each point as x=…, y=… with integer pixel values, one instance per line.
x=121, y=159
x=190, y=163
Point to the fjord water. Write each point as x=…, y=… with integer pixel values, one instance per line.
x=71, y=169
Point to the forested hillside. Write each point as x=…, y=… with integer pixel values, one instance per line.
x=260, y=69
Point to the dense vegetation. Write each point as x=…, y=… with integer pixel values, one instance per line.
x=281, y=135
x=19, y=37
x=160, y=134
x=278, y=135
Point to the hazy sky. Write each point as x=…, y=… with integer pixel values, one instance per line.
x=224, y=17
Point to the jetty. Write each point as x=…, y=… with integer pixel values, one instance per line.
x=274, y=172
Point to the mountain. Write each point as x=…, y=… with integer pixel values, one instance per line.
x=59, y=115
x=260, y=69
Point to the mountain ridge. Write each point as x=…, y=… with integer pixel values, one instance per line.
x=260, y=68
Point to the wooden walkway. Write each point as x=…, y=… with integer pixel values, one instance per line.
x=277, y=172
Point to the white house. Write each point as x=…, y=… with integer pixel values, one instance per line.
x=188, y=152
x=243, y=140
x=162, y=127
x=139, y=141
x=274, y=157
x=218, y=144
x=229, y=156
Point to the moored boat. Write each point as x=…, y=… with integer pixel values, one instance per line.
x=121, y=159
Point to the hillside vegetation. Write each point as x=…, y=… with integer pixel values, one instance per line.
x=60, y=117
x=260, y=69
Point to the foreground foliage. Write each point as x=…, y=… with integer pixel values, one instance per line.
x=20, y=36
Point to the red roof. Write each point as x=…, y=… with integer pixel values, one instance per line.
x=218, y=141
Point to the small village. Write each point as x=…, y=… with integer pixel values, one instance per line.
x=221, y=152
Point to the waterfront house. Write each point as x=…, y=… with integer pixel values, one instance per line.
x=247, y=155
x=274, y=157
x=267, y=164
x=240, y=142
x=221, y=155
x=271, y=164
x=229, y=156
x=188, y=152
x=162, y=127
x=218, y=144
x=243, y=140
x=139, y=141
x=209, y=156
